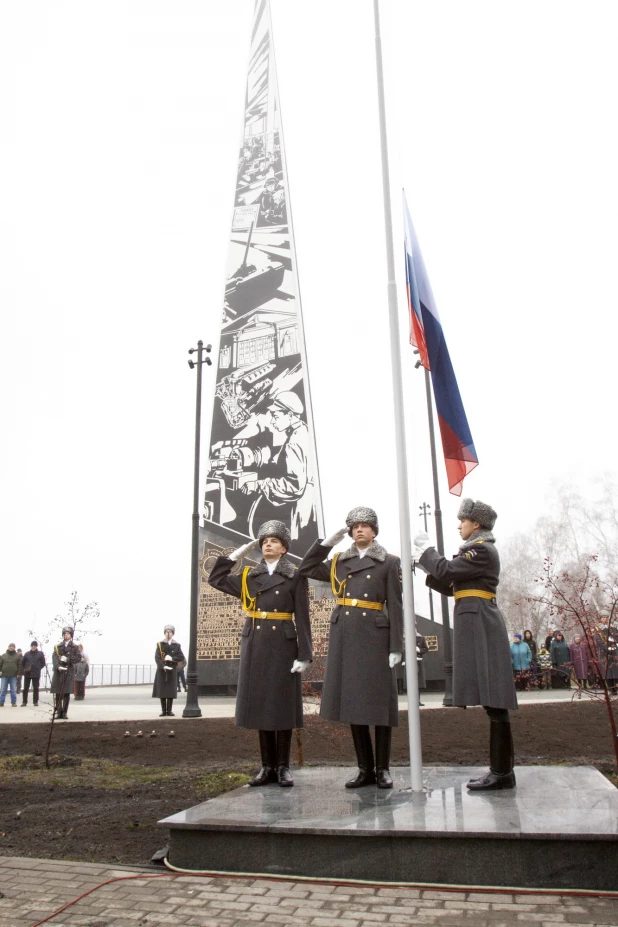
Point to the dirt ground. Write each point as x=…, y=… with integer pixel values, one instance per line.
x=103, y=801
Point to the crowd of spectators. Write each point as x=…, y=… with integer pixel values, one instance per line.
x=558, y=664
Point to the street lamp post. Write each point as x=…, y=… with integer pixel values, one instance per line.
x=192, y=708
x=425, y=510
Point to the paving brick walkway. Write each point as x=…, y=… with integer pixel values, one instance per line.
x=32, y=889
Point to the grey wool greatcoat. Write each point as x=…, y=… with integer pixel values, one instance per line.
x=359, y=685
x=269, y=696
x=166, y=681
x=62, y=682
x=482, y=671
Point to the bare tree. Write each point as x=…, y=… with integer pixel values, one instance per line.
x=584, y=601
x=79, y=619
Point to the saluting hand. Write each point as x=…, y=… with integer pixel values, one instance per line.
x=336, y=537
x=241, y=551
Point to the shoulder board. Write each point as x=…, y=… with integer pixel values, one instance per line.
x=479, y=542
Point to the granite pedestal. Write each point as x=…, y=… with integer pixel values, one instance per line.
x=557, y=829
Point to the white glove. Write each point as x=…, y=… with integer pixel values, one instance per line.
x=166, y=667
x=241, y=551
x=168, y=658
x=422, y=541
x=63, y=668
x=63, y=659
x=299, y=666
x=336, y=537
x=394, y=659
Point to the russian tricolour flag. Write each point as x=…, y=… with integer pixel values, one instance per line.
x=426, y=334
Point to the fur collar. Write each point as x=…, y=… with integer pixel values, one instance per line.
x=375, y=551
x=483, y=534
x=284, y=566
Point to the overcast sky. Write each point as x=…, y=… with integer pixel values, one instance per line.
x=120, y=126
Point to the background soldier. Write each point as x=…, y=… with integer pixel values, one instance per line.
x=482, y=673
x=64, y=657
x=365, y=641
x=168, y=654
x=274, y=650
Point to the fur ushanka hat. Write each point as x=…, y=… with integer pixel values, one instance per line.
x=275, y=529
x=362, y=514
x=477, y=511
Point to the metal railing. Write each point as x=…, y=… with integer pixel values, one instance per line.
x=112, y=674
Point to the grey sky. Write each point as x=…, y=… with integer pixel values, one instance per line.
x=119, y=134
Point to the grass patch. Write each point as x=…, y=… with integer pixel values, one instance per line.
x=75, y=772
x=212, y=784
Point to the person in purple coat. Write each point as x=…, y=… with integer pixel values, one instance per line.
x=580, y=660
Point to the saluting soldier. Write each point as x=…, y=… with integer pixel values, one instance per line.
x=168, y=654
x=275, y=646
x=365, y=642
x=65, y=656
x=482, y=671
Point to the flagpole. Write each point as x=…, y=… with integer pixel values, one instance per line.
x=437, y=511
x=414, y=721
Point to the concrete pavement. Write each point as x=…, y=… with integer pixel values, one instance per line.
x=135, y=703
x=33, y=889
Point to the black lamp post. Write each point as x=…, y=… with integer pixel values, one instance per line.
x=425, y=510
x=446, y=621
x=192, y=708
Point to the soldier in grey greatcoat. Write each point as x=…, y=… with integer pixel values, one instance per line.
x=275, y=646
x=65, y=656
x=168, y=654
x=482, y=672
x=365, y=642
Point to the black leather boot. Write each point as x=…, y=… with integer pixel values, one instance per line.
x=58, y=713
x=163, y=708
x=268, y=752
x=501, y=759
x=383, y=756
x=364, y=757
x=170, y=713
x=65, y=707
x=284, y=777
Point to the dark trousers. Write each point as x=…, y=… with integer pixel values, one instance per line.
x=19, y=679
x=35, y=688
x=181, y=680
x=80, y=688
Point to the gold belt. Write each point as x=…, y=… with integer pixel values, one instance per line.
x=281, y=616
x=360, y=603
x=479, y=593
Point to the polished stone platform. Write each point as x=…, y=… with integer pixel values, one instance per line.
x=557, y=829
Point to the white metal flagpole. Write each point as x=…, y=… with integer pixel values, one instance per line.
x=414, y=721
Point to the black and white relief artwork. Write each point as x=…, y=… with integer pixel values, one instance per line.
x=261, y=451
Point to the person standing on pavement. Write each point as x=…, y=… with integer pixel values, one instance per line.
x=534, y=666
x=181, y=675
x=365, y=641
x=10, y=666
x=544, y=660
x=168, y=654
x=482, y=671
x=81, y=673
x=521, y=659
x=578, y=652
x=560, y=661
x=33, y=664
x=64, y=657
x=19, y=676
x=275, y=646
